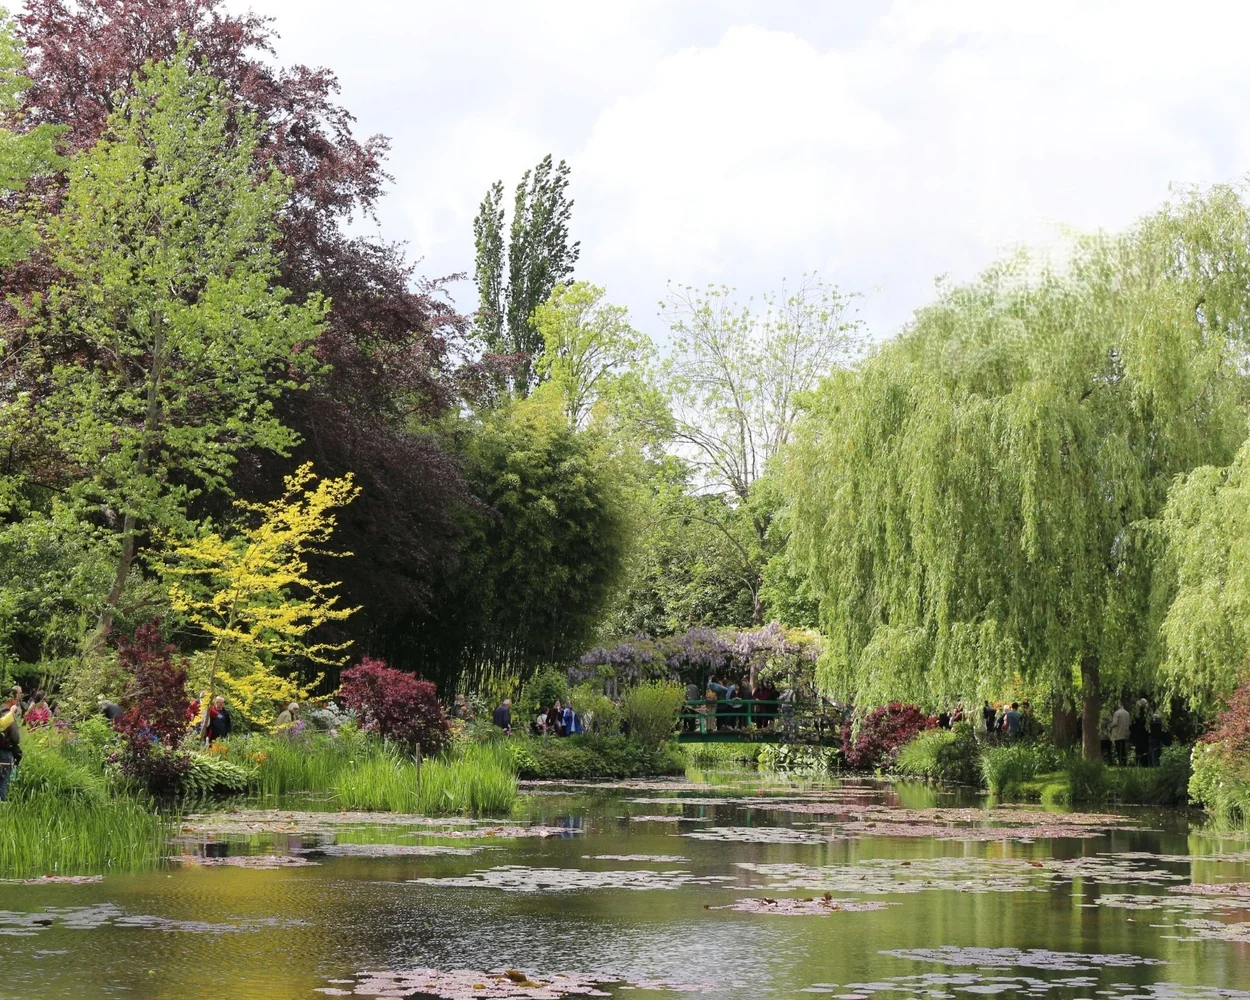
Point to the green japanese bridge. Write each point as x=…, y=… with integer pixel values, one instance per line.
x=746, y=720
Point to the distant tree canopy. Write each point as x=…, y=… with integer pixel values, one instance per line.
x=972, y=507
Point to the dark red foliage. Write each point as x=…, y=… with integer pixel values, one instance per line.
x=158, y=696
x=1231, y=732
x=396, y=705
x=882, y=733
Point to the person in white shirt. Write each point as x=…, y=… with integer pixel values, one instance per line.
x=1121, y=721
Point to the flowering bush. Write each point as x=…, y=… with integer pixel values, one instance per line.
x=774, y=651
x=396, y=705
x=882, y=733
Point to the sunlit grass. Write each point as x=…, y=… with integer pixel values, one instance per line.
x=477, y=781
x=49, y=835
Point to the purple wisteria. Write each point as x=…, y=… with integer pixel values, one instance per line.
x=773, y=651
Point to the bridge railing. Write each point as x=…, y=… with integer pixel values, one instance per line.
x=760, y=720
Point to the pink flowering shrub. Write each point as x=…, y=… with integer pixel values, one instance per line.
x=882, y=734
x=396, y=705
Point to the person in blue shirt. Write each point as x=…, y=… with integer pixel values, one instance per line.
x=1014, y=721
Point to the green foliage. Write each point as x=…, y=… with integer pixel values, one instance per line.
x=591, y=357
x=1219, y=785
x=47, y=835
x=1206, y=629
x=24, y=154
x=1005, y=768
x=652, y=711
x=159, y=349
x=590, y=756
x=714, y=755
x=540, y=557
x=968, y=505
x=600, y=714
x=795, y=757
x=1086, y=779
x=542, y=690
x=48, y=772
x=919, y=758
x=479, y=780
x=209, y=775
x=539, y=257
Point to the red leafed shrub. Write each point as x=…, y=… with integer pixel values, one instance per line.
x=396, y=705
x=1231, y=732
x=882, y=733
x=154, y=724
x=158, y=707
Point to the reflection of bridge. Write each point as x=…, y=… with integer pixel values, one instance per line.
x=750, y=721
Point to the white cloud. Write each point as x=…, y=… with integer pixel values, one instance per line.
x=745, y=141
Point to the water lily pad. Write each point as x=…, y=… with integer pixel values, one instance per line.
x=497, y=984
x=1033, y=958
x=759, y=835
x=670, y=858
x=959, y=874
x=109, y=914
x=262, y=862
x=55, y=880
x=390, y=850
x=807, y=907
x=520, y=878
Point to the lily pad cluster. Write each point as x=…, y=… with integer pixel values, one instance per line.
x=959, y=874
x=520, y=878
x=808, y=906
x=497, y=984
x=261, y=862
x=16, y=924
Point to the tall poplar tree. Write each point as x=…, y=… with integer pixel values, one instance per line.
x=539, y=257
x=973, y=506
x=157, y=354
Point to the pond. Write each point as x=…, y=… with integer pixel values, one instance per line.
x=720, y=885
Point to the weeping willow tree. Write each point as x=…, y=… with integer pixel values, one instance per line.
x=972, y=506
x=1206, y=584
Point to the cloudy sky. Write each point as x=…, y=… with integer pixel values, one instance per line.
x=880, y=144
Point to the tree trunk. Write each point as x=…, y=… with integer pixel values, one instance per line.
x=1091, y=707
x=151, y=426
x=1063, y=725
x=105, y=622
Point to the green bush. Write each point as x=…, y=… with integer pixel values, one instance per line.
x=540, y=691
x=943, y=755
x=1217, y=786
x=49, y=770
x=1005, y=768
x=590, y=756
x=919, y=758
x=1087, y=779
x=600, y=714
x=210, y=775
x=652, y=711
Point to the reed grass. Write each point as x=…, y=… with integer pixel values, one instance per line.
x=479, y=780
x=69, y=836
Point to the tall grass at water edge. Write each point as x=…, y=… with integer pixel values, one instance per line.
x=49, y=835
x=477, y=779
